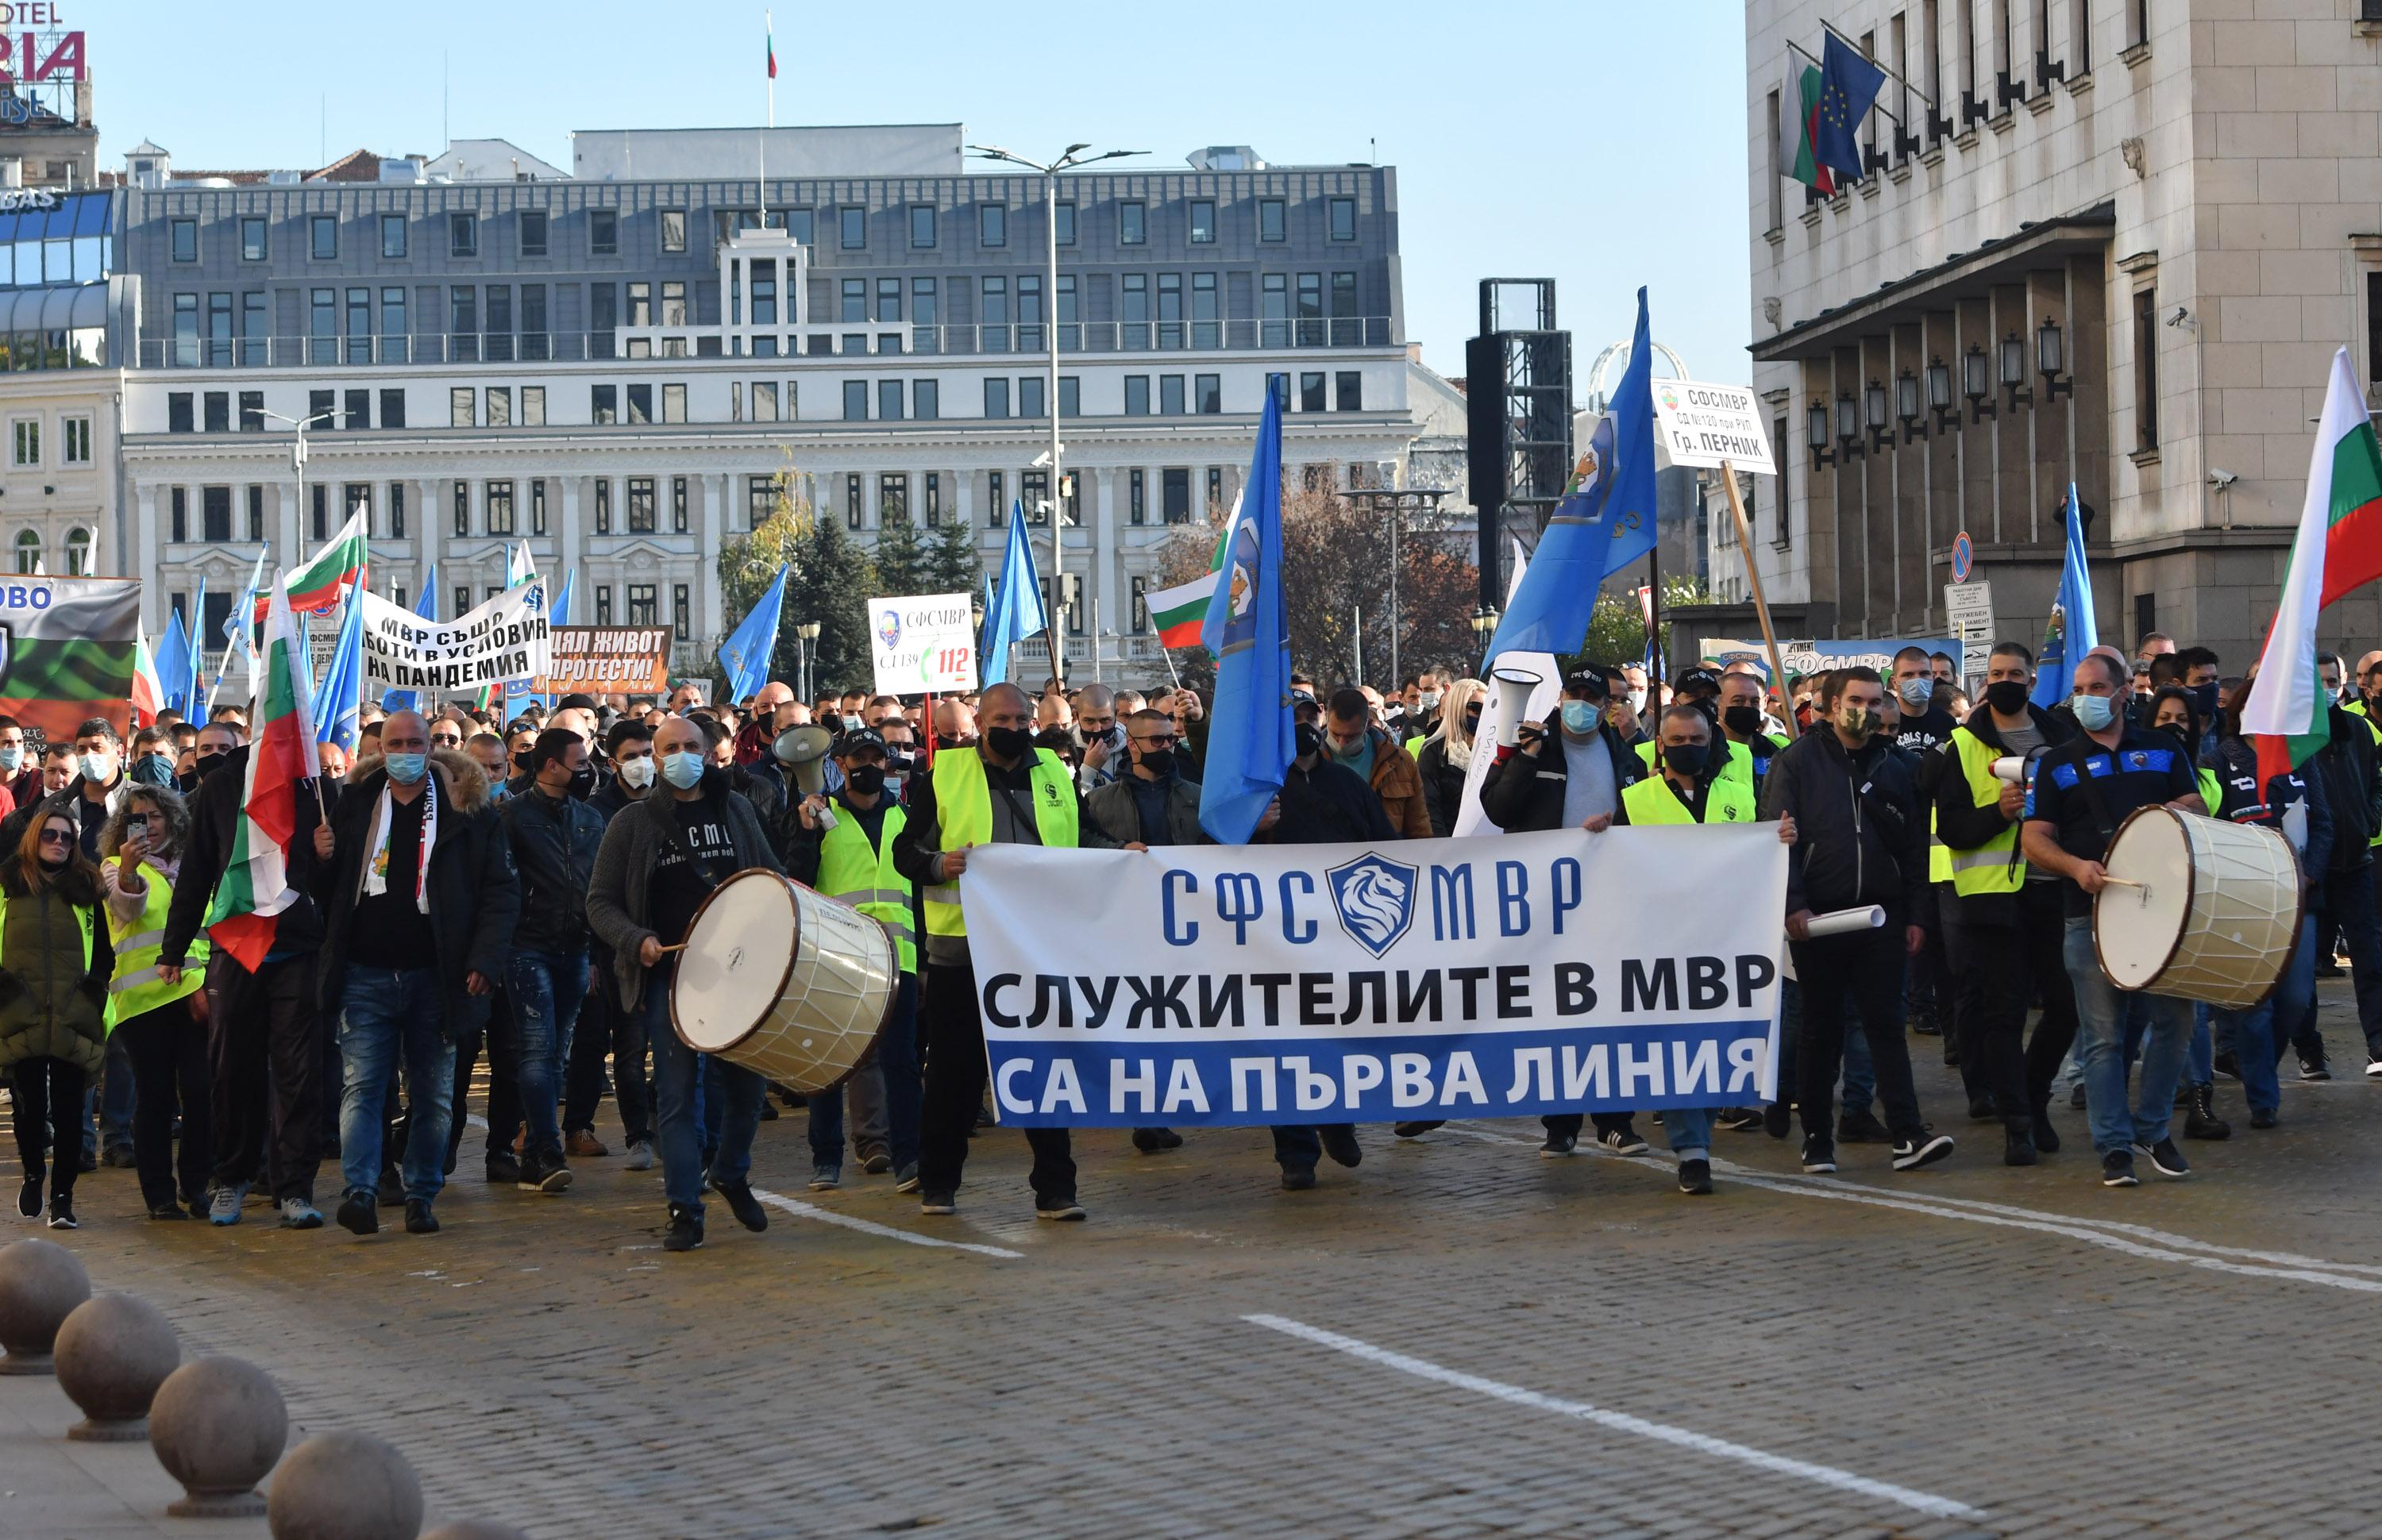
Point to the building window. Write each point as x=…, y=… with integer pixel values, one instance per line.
x=681, y=611
x=178, y=507
x=852, y=485
x=185, y=238
x=996, y=397
x=256, y=513
x=998, y=510
x=933, y=497
x=536, y=505
x=256, y=332
x=640, y=304
x=992, y=311
x=851, y=229
x=464, y=521
x=216, y=406
x=25, y=438
x=357, y=411
x=1310, y=309
x=463, y=234
x=641, y=504
x=604, y=405
x=463, y=324
x=1215, y=490
x=1135, y=313
x=893, y=497
x=1137, y=396
x=673, y=230
x=992, y=225
x=323, y=237
x=1272, y=223
x=392, y=235
x=532, y=232
x=395, y=508
x=74, y=437
x=460, y=412
x=251, y=409
x=1203, y=221
x=603, y=505
x=1034, y=491
x=1174, y=491
x=1065, y=215
x=765, y=401
x=1132, y=223
x=888, y=299
x=463, y=599
x=760, y=500
x=925, y=400
x=1208, y=394
x=1170, y=309
x=2146, y=427
x=640, y=405
x=856, y=400
x=603, y=232
x=673, y=403
x=642, y=604
x=500, y=406
x=1348, y=390
x=1310, y=392
x=320, y=513
x=1029, y=396
x=28, y=552
x=1071, y=396
x=1344, y=218
x=1206, y=318
x=678, y=504
x=499, y=498
x=922, y=227
x=1136, y=497
x=252, y=244
x=1140, y=605
x=603, y=604
x=532, y=407
x=319, y=408
x=1169, y=395
x=214, y=514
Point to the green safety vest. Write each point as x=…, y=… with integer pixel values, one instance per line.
x=1414, y=745
x=82, y=917
x=851, y=871
x=1737, y=769
x=136, y=987
x=1995, y=867
x=1652, y=801
x=2212, y=792
x=964, y=813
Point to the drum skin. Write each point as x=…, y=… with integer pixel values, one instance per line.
x=784, y=981
x=2215, y=917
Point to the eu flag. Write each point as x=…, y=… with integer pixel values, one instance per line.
x=338, y=702
x=1016, y=611
x=745, y=656
x=1603, y=523
x=1250, y=742
x=2072, y=632
x=173, y=664
x=1848, y=85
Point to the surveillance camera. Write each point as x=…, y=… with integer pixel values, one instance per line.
x=2222, y=480
x=2182, y=317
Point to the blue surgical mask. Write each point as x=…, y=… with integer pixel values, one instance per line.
x=1580, y=717
x=406, y=769
x=95, y=768
x=12, y=758
x=2094, y=712
x=683, y=769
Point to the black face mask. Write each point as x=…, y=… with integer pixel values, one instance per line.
x=1472, y=723
x=583, y=782
x=207, y=767
x=1159, y=762
x=1744, y=721
x=2007, y=696
x=867, y=779
x=1687, y=759
x=1008, y=742
x=1308, y=739
x=2203, y=700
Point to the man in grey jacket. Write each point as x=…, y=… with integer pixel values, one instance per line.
x=659, y=860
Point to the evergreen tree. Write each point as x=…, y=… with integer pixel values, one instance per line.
x=952, y=560
x=829, y=579
x=904, y=566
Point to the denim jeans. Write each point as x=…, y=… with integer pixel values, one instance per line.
x=1690, y=1130
x=678, y=1073
x=2101, y=1012
x=2199, y=1059
x=546, y=990
x=1860, y=1069
x=897, y=1059
x=385, y=1013
x=2259, y=1036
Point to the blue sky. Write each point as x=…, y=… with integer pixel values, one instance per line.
x=1614, y=156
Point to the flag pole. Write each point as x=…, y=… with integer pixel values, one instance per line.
x=1164, y=651
x=761, y=140
x=1761, y=608
x=1654, y=609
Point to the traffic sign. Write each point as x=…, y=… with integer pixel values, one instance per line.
x=1964, y=557
x=1970, y=609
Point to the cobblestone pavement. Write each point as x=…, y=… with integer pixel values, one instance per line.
x=1457, y=1339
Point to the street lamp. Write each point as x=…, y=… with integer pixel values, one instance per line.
x=1817, y=417
x=807, y=634
x=1977, y=382
x=298, y=461
x=2013, y=371
x=1939, y=393
x=1070, y=158
x=2051, y=361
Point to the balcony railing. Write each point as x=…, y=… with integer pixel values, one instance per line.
x=841, y=339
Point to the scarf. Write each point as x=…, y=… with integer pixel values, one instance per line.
x=1459, y=750
x=376, y=867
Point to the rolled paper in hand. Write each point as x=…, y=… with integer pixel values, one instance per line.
x=2009, y=767
x=1843, y=921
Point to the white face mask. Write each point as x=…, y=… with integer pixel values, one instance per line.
x=1427, y=700
x=637, y=773
x=1637, y=700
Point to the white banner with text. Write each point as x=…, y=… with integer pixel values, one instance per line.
x=504, y=638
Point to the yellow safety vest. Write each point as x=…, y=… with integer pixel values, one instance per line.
x=136, y=987
x=1995, y=867
x=1652, y=800
x=1414, y=745
x=963, y=815
x=82, y=917
x=1737, y=769
x=2212, y=791
x=851, y=871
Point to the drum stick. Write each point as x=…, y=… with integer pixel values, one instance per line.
x=1843, y=921
x=2122, y=882
x=679, y=947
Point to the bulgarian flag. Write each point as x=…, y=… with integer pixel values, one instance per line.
x=148, y=695
x=255, y=887
x=770, y=30
x=1798, y=116
x=1181, y=612
x=2338, y=548
x=334, y=568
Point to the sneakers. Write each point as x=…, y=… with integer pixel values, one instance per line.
x=876, y=1163
x=2262, y=1116
x=1862, y=1128
x=2314, y=1068
x=1622, y=1141
x=1695, y=1178
x=906, y=1178
x=1339, y=1143
x=939, y=1203
x=583, y=1144
x=1740, y=1119
x=744, y=1205
x=1557, y=1146
x=298, y=1214
x=826, y=1179
x=1981, y=1110
x=2046, y=1138
x=29, y=1198
x=641, y=1155
x=504, y=1170
x=2117, y=1169
x=359, y=1212
x=2201, y=1121
x=1778, y=1118
x=2374, y=1068
x=1066, y=1207
x=223, y=1206
x=62, y=1212
x=1298, y=1179
x=2164, y=1159
x=1152, y=1141
x=1819, y=1153
x=2018, y=1148
x=685, y=1230
x=419, y=1220
x=543, y=1174
x=1417, y=1129
x=1910, y=1154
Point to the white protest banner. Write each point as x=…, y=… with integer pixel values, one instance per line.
x=1711, y=424
x=1335, y=983
x=504, y=638
x=924, y=646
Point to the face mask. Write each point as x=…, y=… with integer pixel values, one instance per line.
x=583, y=782
x=1915, y=692
x=2094, y=712
x=638, y=773
x=95, y=768
x=1860, y=721
x=1308, y=739
x=1472, y=723
x=1580, y=717
x=12, y=757
x=1427, y=700
x=1009, y=742
x=683, y=769
x=1687, y=759
x=154, y=770
x=867, y=779
x=2007, y=696
x=1744, y=721
x=201, y=768
x=1637, y=700
x=2203, y=700
x=1159, y=762
x=406, y=769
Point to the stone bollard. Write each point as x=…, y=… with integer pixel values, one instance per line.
x=476, y=1528
x=219, y=1426
x=345, y=1486
x=39, y=1286
x=112, y=1354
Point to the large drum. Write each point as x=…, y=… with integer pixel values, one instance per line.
x=2197, y=908
x=791, y=985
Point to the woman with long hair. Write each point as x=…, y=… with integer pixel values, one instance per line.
x=164, y=1025
x=1446, y=757
x=55, y=961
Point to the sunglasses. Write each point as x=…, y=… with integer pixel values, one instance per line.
x=1158, y=740
x=54, y=836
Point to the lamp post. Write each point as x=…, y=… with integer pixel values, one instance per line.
x=298, y=462
x=807, y=634
x=1068, y=159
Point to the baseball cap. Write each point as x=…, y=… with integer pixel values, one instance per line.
x=1695, y=677
x=1586, y=681
x=858, y=738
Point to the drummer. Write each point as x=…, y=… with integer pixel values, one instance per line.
x=2082, y=791
x=659, y=860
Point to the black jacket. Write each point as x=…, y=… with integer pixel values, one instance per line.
x=214, y=816
x=475, y=897
x=1524, y=793
x=553, y=846
x=1443, y=784
x=1861, y=831
x=2234, y=762
x=1958, y=821
x=2352, y=777
x=1330, y=804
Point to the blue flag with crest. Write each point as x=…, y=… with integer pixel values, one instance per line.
x=1016, y=612
x=745, y=656
x=1250, y=738
x=2072, y=632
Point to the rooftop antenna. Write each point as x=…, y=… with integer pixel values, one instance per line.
x=323, y=129
x=446, y=132
x=1372, y=151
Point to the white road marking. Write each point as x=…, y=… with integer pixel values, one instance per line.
x=869, y=1227
x=1621, y=1422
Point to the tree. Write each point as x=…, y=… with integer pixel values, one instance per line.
x=951, y=558
x=1616, y=633
x=903, y=559
x=828, y=580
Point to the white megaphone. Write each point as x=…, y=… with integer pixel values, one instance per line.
x=802, y=751
x=1511, y=690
